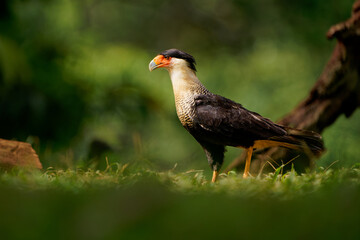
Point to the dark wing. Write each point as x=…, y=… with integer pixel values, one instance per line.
x=222, y=121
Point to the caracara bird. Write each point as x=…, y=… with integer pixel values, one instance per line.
x=216, y=122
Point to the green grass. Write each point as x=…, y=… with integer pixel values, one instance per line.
x=124, y=202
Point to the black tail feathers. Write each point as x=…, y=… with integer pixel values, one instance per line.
x=308, y=141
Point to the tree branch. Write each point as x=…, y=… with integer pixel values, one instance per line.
x=336, y=92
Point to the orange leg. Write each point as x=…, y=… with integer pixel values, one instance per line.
x=248, y=161
x=215, y=174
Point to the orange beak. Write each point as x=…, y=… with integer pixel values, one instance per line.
x=158, y=62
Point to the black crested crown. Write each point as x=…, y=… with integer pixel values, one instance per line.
x=180, y=54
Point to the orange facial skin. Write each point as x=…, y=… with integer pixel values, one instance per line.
x=162, y=61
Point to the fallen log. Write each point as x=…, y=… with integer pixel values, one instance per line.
x=18, y=154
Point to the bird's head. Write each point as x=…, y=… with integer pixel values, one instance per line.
x=171, y=58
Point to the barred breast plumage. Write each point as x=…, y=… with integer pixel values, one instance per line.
x=185, y=102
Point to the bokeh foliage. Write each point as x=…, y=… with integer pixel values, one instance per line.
x=121, y=203
x=74, y=78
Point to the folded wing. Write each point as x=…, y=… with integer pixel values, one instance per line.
x=222, y=121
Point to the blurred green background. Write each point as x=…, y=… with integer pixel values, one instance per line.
x=74, y=77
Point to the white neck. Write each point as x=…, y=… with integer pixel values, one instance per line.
x=183, y=78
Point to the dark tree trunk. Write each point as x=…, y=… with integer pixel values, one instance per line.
x=336, y=92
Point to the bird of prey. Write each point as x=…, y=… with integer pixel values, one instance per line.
x=216, y=122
